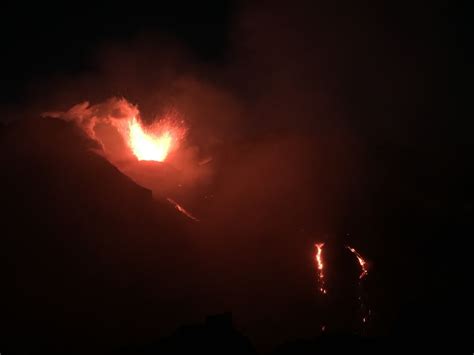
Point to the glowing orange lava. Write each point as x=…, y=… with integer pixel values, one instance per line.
x=148, y=146
x=154, y=143
x=362, y=263
x=182, y=209
x=320, y=266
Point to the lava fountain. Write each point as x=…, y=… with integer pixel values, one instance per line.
x=156, y=142
x=146, y=142
x=134, y=147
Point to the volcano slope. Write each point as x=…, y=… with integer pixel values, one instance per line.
x=88, y=256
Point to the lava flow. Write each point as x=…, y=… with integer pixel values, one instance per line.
x=182, y=209
x=362, y=262
x=320, y=266
x=364, y=272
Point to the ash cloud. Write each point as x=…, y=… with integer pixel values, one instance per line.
x=88, y=117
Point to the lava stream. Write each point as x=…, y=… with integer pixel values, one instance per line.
x=182, y=209
x=320, y=266
x=362, y=262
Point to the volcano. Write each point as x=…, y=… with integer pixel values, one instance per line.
x=100, y=243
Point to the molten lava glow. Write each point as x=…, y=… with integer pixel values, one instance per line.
x=182, y=209
x=320, y=266
x=148, y=145
x=362, y=263
x=152, y=142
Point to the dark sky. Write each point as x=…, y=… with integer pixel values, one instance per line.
x=45, y=40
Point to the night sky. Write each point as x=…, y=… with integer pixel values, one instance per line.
x=316, y=122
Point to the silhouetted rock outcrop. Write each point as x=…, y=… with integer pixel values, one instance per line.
x=84, y=249
x=216, y=336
